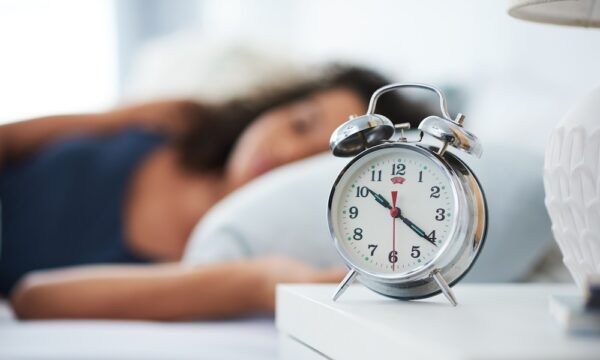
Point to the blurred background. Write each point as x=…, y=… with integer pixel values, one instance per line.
x=513, y=79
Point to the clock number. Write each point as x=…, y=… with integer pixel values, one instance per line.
x=398, y=169
x=358, y=234
x=376, y=176
x=432, y=237
x=421, y=176
x=415, y=252
x=353, y=212
x=441, y=214
x=372, y=248
x=393, y=256
x=362, y=191
x=435, y=192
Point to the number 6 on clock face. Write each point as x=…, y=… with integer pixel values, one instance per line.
x=393, y=211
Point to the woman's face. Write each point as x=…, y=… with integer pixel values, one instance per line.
x=290, y=132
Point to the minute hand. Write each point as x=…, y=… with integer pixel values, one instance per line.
x=416, y=229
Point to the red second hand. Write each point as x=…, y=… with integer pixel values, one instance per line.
x=393, y=212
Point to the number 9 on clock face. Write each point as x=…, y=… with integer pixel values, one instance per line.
x=393, y=210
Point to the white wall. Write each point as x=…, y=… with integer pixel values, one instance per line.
x=56, y=57
x=521, y=77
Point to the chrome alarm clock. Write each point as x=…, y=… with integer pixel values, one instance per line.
x=408, y=217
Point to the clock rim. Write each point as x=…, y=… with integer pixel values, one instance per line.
x=454, y=243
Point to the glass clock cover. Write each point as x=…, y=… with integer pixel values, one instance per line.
x=393, y=211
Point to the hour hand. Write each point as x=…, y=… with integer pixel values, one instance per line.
x=380, y=199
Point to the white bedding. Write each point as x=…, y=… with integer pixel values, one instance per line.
x=284, y=212
x=86, y=339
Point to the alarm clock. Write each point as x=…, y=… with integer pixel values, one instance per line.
x=408, y=217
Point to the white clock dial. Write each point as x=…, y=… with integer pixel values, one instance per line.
x=393, y=211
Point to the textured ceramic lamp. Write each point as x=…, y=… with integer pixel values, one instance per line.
x=572, y=161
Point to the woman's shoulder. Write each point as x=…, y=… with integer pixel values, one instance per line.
x=125, y=139
x=85, y=153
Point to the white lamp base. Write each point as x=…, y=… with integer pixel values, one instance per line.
x=572, y=185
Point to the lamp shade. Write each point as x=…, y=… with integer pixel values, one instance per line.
x=584, y=13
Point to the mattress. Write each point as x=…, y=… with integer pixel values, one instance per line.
x=249, y=338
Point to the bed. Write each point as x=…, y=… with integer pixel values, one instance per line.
x=255, y=338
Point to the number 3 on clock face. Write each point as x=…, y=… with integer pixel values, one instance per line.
x=393, y=210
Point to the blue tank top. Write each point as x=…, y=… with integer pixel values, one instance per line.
x=64, y=205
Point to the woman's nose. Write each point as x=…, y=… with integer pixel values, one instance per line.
x=288, y=150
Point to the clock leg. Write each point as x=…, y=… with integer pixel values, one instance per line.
x=344, y=284
x=446, y=290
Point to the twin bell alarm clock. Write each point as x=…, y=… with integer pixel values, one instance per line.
x=407, y=217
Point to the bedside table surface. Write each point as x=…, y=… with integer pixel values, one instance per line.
x=504, y=321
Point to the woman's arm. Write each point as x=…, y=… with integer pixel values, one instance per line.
x=24, y=137
x=161, y=292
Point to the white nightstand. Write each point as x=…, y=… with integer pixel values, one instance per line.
x=490, y=322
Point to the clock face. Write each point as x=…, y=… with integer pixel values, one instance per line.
x=393, y=211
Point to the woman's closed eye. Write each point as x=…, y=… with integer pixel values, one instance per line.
x=301, y=125
x=304, y=118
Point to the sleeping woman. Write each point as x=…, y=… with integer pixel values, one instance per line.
x=97, y=209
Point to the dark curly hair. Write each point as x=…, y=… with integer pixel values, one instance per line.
x=206, y=144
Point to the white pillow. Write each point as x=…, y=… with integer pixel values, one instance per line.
x=191, y=65
x=282, y=212
x=519, y=230
x=285, y=212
